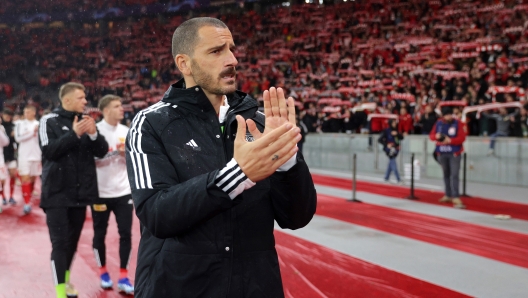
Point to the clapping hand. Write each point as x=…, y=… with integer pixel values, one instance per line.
x=277, y=110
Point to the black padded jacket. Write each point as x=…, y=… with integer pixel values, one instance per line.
x=68, y=167
x=196, y=241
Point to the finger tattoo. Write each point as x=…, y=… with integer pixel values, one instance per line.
x=275, y=157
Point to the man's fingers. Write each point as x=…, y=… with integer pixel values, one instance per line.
x=283, y=109
x=253, y=130
x=286, y=140
x=241, y=129
x=275, y=109
x=284, y=153
x=274, y=135
x=75, y=120
x=291, y=111
x=267, y=104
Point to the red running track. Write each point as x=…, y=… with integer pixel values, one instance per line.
x=311, y=270
x=500, y=245
x=484, y=205
x=308, y=270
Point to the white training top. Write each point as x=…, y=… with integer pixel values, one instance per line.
x=26, y=135
x=112, y=178
x=4, y=141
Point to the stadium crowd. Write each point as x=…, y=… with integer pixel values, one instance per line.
x=402, y=57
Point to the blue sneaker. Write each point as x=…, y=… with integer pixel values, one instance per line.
x=4, y=201
x=27, y=209
x=125, y=286
x=106, y=282
x=12, y=201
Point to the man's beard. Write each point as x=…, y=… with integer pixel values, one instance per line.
x=207, y=81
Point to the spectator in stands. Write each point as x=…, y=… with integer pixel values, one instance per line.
x=332, y=123
x=428, y=120
x=503, y=120
x=310, y=118
x=188, y=198
x=391, y=139
x=9, y=155
x=449, y=135
x=114, y=194
x=69, y=142
x=405, y=124
x=524, y=121
x=29, y=154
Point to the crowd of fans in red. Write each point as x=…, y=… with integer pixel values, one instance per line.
x=36, y=6
x=406, y=57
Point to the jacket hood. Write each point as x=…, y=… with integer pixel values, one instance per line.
x=194, y=99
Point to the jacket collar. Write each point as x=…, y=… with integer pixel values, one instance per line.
x=67, y=114
x=194, y=99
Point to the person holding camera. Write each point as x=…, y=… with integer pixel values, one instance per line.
x=449, y=135
x=391, y=139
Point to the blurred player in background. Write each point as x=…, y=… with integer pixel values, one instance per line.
x=9, y=156
x=114, y=193
x=69, y=142
x=4, y=141
x=29, y=154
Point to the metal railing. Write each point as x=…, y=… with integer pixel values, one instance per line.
x=509, y=165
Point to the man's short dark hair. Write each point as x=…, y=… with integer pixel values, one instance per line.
x=70, y=87
x=185, y=36
x=31, y=107
x=8, y=112
x=106, y=100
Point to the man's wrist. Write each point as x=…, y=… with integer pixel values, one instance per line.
x=288, y=164
x=93, y=136
x=232, y=180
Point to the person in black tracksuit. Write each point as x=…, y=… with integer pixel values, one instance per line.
x=9, y=155
x=69, y=181
x=192, y=166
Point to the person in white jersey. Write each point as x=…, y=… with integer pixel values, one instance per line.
x=114, y=193
x=4, y=141
x=29, y=154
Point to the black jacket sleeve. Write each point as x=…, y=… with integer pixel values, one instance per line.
x=98, y=147
x=166, y=206
x=293, y=196
x=52, y=145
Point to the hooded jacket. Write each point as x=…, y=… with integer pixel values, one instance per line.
x=68, y=167
x=386, y=138
x=196, y=240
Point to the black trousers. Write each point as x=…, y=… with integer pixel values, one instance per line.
x=65, y=226
x=122, y=208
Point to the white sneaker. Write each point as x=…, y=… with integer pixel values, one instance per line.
x=27, y=209
x=125, y=286
x=71, y=292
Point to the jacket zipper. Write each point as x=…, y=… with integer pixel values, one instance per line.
x=232, y=215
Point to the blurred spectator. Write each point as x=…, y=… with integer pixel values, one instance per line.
x=405, y=124
x=503, y=120
x=391, y=139
x=428, y=120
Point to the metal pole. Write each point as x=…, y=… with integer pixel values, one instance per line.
x=411, y=196
x=464, y=175
x=354, y=161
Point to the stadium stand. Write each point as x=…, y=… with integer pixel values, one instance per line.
x=396, y=54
